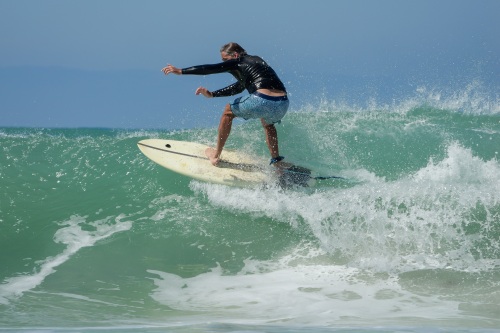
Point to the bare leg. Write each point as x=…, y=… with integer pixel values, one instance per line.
x=225, y=123
x=272, y=144
x=271, y=138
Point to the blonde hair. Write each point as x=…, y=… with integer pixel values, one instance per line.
x=232, y=47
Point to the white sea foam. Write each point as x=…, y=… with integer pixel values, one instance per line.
x=420, y=221
x=75, y=237
x=324, y=295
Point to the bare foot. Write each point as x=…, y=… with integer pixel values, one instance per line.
x=210, y=153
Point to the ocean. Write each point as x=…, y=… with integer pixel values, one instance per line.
x=97, y=238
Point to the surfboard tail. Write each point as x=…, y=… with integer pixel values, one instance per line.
x=296, y=176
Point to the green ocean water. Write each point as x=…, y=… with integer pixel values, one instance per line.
x=96, y=237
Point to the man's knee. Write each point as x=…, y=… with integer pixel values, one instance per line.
x=265, y=125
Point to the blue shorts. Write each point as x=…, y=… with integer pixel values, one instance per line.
x=270, y=108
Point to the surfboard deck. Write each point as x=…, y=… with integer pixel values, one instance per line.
x=188, y=158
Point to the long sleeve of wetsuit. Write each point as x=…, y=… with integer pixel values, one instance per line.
x=230, y=90
x=210, y=69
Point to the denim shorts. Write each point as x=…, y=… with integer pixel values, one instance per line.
x=270, y=108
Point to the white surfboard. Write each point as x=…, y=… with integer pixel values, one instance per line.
x=188, y=158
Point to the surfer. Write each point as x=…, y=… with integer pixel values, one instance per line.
x=267, y=97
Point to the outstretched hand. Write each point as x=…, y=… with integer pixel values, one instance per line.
x=171, y=69
x=203, y=91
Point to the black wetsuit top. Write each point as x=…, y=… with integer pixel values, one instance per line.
x=252, y=73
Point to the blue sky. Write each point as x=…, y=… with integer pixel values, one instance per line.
x=96, y=63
